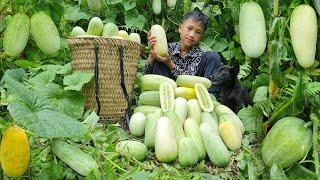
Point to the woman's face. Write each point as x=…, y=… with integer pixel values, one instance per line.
x=191, y=32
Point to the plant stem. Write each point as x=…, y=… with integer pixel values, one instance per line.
x=250, y=152
x=315, y=121
x=277, y=112
x=114, y=164
x=275, y=8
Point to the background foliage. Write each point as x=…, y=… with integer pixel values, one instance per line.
x=278, y=85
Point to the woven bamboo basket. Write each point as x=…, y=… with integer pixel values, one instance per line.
x=115, y=64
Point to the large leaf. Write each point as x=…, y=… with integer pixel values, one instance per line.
x=261, y=94
x=38, y=116
x=199, y=5
x=41, y=119
x=74, y=14
x=15, y=88
x=207, y=43
x=68, y=102
x=114, y=1
x=316, y=4
x=276, y=173
x=58, y=69
x=252, y=119
x=77, y=80
x=43, y=78
x=17, y=74
x=297, y=171
x=134, y=19
x=92, y=119
x=129, y=4
x=220, y=45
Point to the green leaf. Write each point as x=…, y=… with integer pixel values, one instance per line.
x=56, y=169
x=92, y=119
x=209, y=176
x=207, y=43
x=41, y=119
x=37, y=115
x=70, y=103
x=114, y=1
x=43, y=78
x=77, y=80
x=276, y=173
x=24, y=63
x=313, y=89
x=75, y=14
x=245, y=70
x=15, y=88
x=58, y=69
x=252, y=172
x=316, y=4
x=113, y=11
x=143, y=175
x=216, y=10
x=129, y=4
x=228, y=55
x=251, y=118
x=297, y=171
x=134, y=19
x=221, y=45
x=98, y=135
x=114, y=132
x=199, y=5
x=16, y=74
x=64, y=69
x=261, y=94
x=261, y=80
x=265, y=106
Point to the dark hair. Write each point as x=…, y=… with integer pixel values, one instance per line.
x=197, y=16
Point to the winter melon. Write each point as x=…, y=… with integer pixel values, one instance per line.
x=165, y=144
x=95, y=26
x=14, y=152
x=166, y=96
x=217, y=151
x=303, y=32
x=151, y=82
x=252, y=28
x=137, y=123
x=45, y=33
x=133, y=149
x=188, y=154
x=124, y=34
x=109, y=30
x=135, y=37
x=16, y=35
x=156, y=6
x=287, y=142
x=171, y=3
x=76, y=31
x=192, y=130
x=161, y=47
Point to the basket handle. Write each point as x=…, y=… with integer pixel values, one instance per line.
x=96, y=77
x=123, y=85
